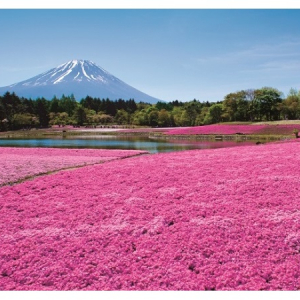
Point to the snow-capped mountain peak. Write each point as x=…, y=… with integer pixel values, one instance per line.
x=73, y=70
x=78, y=77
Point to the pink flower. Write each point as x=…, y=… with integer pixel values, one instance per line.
x=222, y=219
x=235, y=129
x=21, y=163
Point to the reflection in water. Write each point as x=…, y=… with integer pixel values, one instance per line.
x=113, y=142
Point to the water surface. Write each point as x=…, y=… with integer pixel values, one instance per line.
x=114, y=142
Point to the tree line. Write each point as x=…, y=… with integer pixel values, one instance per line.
x=246, y=105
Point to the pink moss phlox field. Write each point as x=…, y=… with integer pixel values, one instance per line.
x=234, y=129
x=19, y=163
x=222, y=219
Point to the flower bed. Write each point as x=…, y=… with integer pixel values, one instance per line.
x=19, y=163
x=222, y=219
x=234, y=129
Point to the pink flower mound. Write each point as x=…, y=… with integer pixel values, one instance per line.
x=233, y=129
x=223, y=219
x=19, y=163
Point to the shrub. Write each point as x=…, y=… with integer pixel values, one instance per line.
x=296, y=132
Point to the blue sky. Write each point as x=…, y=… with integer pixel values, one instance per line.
x=167, y=53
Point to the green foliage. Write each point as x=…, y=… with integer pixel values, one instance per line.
x=164, y=118
x=290, y=107
x=214, y=114
x=41, y=110
x=153, y=117
x=268, y=103
x=252, y=105
x=68, y=105
x=140, y=117
x=177, y=115
x=296, y=132
x=104, y=118
x=164, y=105
x=54, y=105
x=241, y=106
x=122, y=117
x=24, y=120
x=192, y=109
x=235, y=107
x=59, y=119
x=203, y=117
x=80, y=115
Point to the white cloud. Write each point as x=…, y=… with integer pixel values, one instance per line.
x=266, y=51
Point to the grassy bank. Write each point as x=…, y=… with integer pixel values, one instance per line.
x=223, y=131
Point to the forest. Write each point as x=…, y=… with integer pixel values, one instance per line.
x=252, y=105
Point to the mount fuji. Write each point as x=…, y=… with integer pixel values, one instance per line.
x=78, y=77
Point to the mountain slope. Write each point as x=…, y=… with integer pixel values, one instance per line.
x=78, y=77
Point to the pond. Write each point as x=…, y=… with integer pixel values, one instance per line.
x=116, y=142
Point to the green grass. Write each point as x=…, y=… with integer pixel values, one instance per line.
x=281, y=122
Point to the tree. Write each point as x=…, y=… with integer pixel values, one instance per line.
x=42, y=111
x=91, y=116
x=11, y=105
x=235, y=107
x=4, y=126
x=269, y=100
x=24, y=120
x=54, y=105
x=68, y=104
x=163, y=118
x=290, y=107
x=185, y=118
x=2, y=111
x=252, y=104
x=110, y=107
x=203, y=117
x=59, y=119
x=153, y=118
x=152, y=115
x=230, y=107
x=104, y=118
x=192, y=109
x=164, y=105
x=80, y=114
x=122, y=117
x=176, y=115
x=121, y=104
x=214, y=114
x=140, y=117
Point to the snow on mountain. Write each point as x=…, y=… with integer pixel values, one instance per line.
x=80, y=78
